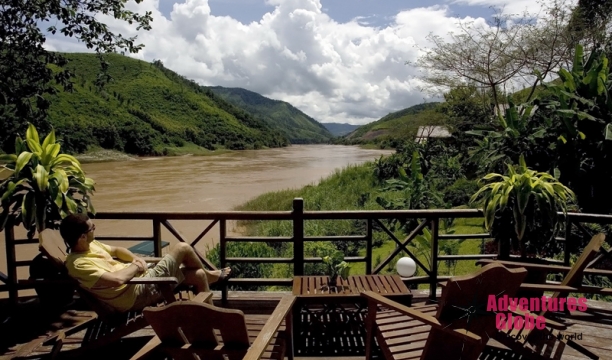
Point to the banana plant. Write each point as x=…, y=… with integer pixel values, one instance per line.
x=43, y=186
x=525, y=198
x=514, y=133
x=583, y=95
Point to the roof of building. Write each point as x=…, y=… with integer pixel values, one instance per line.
x=425, y=132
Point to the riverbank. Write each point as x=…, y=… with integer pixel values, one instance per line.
x=95, y=155
x=354, y=188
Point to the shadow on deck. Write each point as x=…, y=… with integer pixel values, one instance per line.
x=22, y=334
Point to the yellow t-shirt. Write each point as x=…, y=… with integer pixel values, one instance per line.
x=88, y=267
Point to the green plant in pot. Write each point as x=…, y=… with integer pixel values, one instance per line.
x=520, y=208
x=43, y=185
x=336, y=266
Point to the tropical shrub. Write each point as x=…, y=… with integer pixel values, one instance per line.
x=245, y=270
x=521, y=208
x=460, y=192
x=581, y=111
x=44, y=185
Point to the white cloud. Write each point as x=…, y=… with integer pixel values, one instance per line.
x=340, y=72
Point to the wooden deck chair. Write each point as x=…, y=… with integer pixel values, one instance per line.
x=443, y=330
x=106, y=325
x=191, y=330
x=572, y=282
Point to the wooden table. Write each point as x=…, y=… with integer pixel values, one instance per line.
x=315, y=287
x=329, y=321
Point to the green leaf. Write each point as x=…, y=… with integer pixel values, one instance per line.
x=34, y=146
x=608, y=132
x=568, y=80
x=49, y=140
x=63, y=158
x=62, y=180
x=19, y=145
x=32, y=134
x=22, y=160
x=41, y=176
x=10, y=189
x=50, y=153
x=8, y=158
x=28, y=209
x=578, y=60
x=72, y=206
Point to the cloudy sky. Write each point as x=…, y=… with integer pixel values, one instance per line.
x=336, y=60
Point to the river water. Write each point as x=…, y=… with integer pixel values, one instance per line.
x=201, y=183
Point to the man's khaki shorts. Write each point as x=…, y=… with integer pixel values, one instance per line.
x=150, y=294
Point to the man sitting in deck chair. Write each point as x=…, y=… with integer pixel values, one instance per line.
x=92, y=264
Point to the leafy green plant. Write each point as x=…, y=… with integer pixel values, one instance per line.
x=416, y=193
x=44, y=185
x=580, y=107
x=336, y=266
x=524, y=199
x=516, y=133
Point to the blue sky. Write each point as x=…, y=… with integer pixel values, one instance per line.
x=379, y=12
x=336, y=60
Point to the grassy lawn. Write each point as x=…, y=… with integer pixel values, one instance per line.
x=467, y=247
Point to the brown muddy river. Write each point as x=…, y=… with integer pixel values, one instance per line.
x=201, y=183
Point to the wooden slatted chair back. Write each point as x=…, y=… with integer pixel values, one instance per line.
x=463, y=305
x=574, y=277
x=51, y=243
x=188, y=328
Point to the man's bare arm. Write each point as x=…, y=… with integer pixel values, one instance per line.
x=126, y=255
x=120, y=277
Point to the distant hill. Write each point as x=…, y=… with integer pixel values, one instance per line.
x=148, y=109
x=399, y=125
x=298, y=127
x=340, y=129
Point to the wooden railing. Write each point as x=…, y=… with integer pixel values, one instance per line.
x=298, y=217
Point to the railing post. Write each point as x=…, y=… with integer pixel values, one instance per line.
x=568, y=235
x=223, y=254
x=157, y=241
x=369, y=245
x=433, y=279
x=298, y=236
x=11, y=267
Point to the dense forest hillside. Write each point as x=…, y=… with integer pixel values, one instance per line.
x=340, y=129
x=395, y=126
x=298, y=127
x=147, y=109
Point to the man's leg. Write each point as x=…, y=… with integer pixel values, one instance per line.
x=198, y=279
x=184, y=254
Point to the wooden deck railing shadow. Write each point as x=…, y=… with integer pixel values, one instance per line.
x=427, y=218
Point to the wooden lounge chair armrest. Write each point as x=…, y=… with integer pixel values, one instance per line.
x=587, y=289
x=549, y=287
x=203, y=297
x=417, y=315
x=526, y=265
x=171, y=280
x=43, y=282
x=270, y=328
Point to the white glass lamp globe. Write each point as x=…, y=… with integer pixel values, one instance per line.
x=406, y=267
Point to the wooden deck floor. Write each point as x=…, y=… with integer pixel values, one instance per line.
x=21, y=336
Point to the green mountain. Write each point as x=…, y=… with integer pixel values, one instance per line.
x=395, y=126
x=147, y=109
x=340, y=129
x=298, y=127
